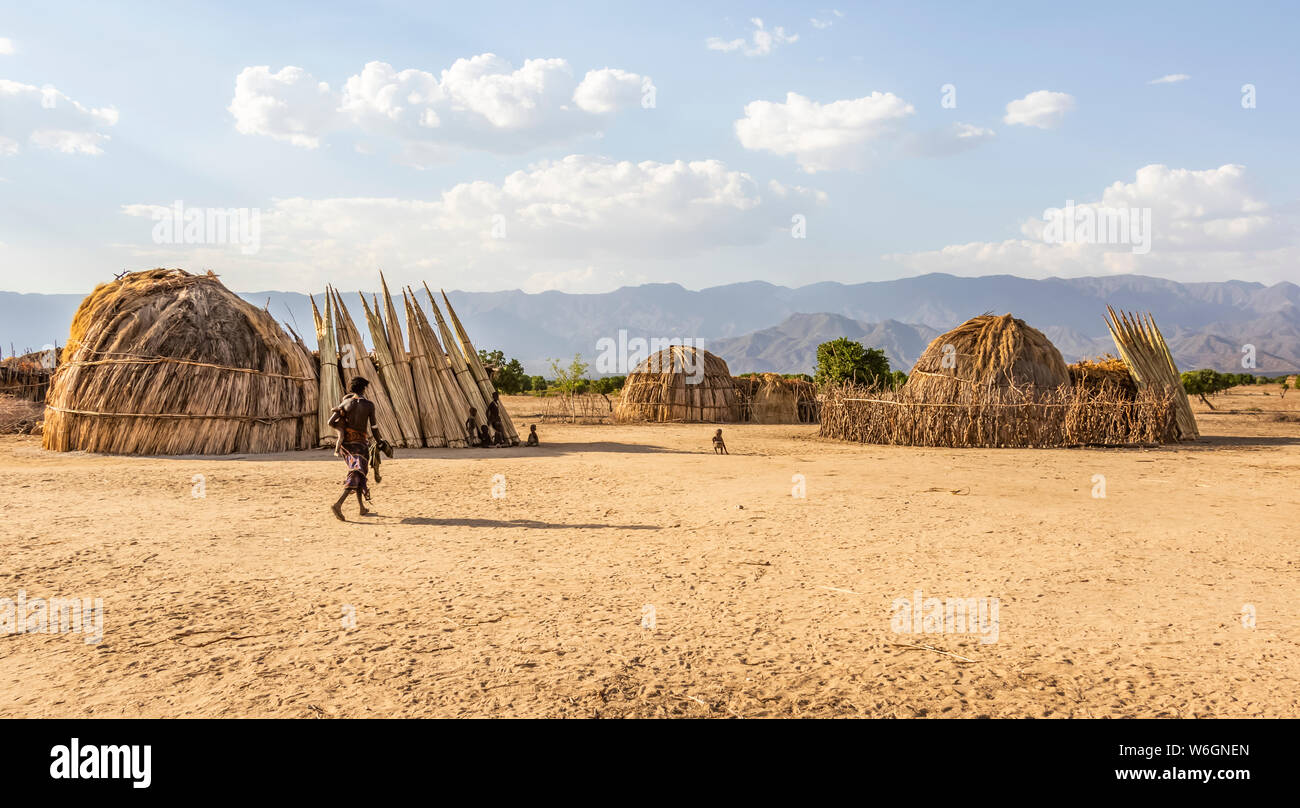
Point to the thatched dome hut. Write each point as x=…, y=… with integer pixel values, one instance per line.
x=984, y=356
x=680, y=383
x=165, y=362
x=769, y=398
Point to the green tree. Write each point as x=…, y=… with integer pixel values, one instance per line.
x=539, y=385
x=608, y=384
x=507, y=377
x=569, y=379
x=899, y=379
x=843, y=360
x=1206, y=382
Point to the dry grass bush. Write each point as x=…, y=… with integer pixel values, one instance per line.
x=1102, y=372
x=18, y=416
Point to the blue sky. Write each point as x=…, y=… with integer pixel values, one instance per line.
x=143, y=108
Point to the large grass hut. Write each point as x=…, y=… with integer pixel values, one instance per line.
x=165, y=362
x=985, y=357
x=680, y=383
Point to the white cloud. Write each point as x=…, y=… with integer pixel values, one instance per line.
x=604, y=91
x=1205, y=225
x=820, y=24
x=6, y=46
x=958, y=137
x=477, y=103
x=531, y=228
x=289, y=105
x=969, y=131
x=47, y=119
x=1043, y=108
x=821, y=136
x=1172, y=78
x=762, y=41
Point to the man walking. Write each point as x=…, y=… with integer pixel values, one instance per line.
x=350, y=419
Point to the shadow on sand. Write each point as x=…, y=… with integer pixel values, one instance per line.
x=525, y=523
x=1239, y=442
x=472, y=453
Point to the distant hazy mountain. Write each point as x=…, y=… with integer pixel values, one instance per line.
x=759, y=326
x=791, y=347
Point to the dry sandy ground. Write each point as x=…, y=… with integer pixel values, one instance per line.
x=237, y=603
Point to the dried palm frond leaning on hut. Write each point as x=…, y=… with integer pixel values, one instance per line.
x=1144, y=350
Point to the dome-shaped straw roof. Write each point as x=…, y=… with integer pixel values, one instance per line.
x=165, y=362
x=984, y=356
x=679, y=383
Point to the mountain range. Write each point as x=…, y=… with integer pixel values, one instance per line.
x=758, y=326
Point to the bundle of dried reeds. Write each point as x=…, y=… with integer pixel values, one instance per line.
x=681, y=383
x=436, y=418
x=331, y=384
x=1009, y=417
x=479, y=373
x=397, y=380
x=165, y=362
x=459, y=367
x=1144, y=350
x=355, y=361
x=445, y=375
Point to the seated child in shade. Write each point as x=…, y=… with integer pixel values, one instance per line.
x=532, y=435
x=471, y=426
x=484, y=437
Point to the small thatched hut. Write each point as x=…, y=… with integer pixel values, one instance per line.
x=28, y=376
x=165, y=362
x=680, y=383
x=983, y=357
x=1105, y=374
x=769, y=398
